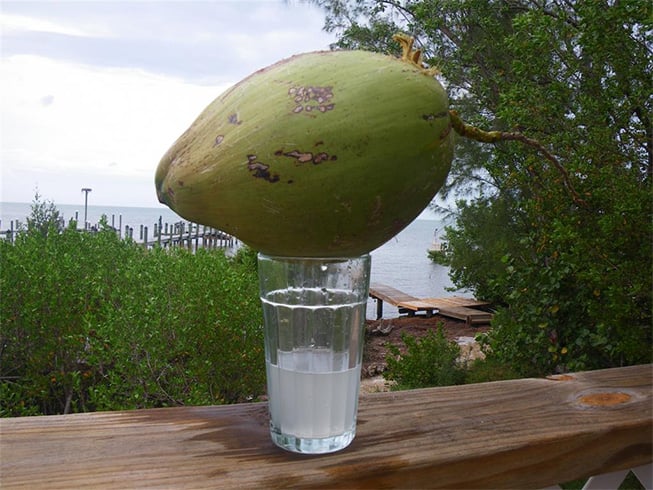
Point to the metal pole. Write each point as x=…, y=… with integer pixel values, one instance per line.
x=86, y=190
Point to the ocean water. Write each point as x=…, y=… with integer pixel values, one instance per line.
x=116, y=215
x=402, y=262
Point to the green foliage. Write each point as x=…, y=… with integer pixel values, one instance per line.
x=563, y=246
x=488, y=369
x=429, y=361
x=44, y=216
x=439, y=256
x=247, y=257
x=476, y=248
x=92, y=322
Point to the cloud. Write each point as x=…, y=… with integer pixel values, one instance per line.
x=47, y=100
x=94, y=93
x=11, y=23
x=207, y=42
x=113, y=122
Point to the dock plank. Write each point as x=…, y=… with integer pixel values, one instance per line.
x=389, y=294
x=459, y=301
x=470, y=316
x=384, y=293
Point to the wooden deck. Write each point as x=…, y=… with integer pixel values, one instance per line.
x=452, y=307
x=528, y=433
x=384, y=293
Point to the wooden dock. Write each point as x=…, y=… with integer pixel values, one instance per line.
x=188, y=235
x=453, y=307
x=383, y=293
x=184, y=234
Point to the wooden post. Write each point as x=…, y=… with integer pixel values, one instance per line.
x=379, y=308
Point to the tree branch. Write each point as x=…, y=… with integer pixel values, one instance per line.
x=472, y=132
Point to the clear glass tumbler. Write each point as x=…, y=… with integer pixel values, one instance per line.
x=314, y=311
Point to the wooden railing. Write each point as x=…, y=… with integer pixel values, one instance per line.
x=529, y=433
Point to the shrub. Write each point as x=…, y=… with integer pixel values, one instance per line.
x=430, y=361
x=92, y=322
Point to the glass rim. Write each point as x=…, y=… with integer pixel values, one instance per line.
x=261, y=255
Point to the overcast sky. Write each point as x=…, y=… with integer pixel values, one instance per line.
x=92, y=94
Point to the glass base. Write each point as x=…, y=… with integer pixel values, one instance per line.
x=312, y=446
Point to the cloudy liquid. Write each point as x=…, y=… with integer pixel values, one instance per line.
x=313, y=405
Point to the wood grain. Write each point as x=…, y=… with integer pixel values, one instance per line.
x=526, y=433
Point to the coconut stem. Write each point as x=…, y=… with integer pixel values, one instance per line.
x=472, y=132
x=413, y=56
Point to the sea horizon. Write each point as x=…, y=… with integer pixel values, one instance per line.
x=133, y=216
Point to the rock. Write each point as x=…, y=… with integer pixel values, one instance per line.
x=383, y=328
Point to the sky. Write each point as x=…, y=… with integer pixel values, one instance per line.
x=93, y=93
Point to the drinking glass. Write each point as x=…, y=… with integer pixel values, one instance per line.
x=314, y=316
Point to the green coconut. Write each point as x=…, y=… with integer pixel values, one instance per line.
x=325, y=154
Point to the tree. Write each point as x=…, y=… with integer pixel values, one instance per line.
x=44, y=217
x=568, y=254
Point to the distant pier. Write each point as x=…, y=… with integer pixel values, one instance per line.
x=167, y=235
x=187, y=235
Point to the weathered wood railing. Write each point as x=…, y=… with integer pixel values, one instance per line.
x=529, y=433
